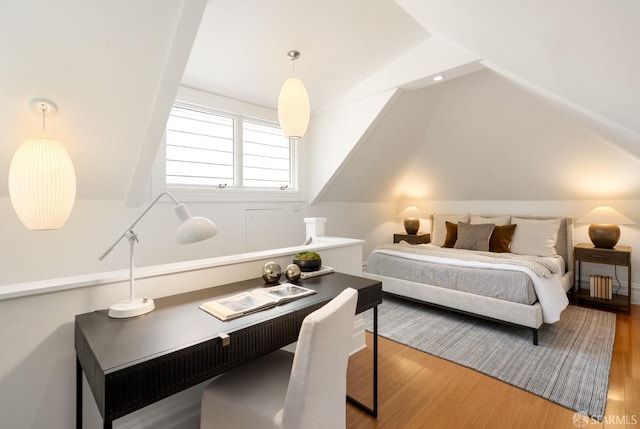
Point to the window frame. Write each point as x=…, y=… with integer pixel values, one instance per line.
x=221, y=106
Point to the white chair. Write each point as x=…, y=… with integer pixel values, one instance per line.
x=290, y=391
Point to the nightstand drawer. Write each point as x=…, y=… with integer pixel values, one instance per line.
x=602, y=256
x=419, y=238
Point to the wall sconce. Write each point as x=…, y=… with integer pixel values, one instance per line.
x=192, y=230
x=604, y=231
x=411, y=217
x=293, y=104
x=42, y=181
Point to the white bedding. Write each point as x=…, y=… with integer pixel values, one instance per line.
x=549, y=290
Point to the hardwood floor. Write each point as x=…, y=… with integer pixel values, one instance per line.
x=417, y=390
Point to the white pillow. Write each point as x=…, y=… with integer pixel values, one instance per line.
x=535, y=236
x=496, y=220
x=439, y=229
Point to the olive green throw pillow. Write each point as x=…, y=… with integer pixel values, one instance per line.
x=474, y=237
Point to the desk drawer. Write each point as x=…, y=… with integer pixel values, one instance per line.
x=602, y=256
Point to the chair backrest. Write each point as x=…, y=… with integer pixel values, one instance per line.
x=316, y=396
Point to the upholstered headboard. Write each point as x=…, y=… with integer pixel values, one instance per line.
x=564, y=245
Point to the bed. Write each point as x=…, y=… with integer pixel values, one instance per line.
x=521, y=278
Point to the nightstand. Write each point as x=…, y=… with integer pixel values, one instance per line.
x=418, y=238
x=620, y=256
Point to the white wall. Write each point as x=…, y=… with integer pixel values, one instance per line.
x=93, y=226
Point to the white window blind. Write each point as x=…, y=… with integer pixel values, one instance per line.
x=266, y=157
x=207, y=149
x=200, y=148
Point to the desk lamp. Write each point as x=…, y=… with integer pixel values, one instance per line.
x=192, y=230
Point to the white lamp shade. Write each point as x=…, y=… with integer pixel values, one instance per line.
x=410, y=212
x=42, y=184
x=196, y=229
x=293, y=108
x=193, y=229
x=605, y=215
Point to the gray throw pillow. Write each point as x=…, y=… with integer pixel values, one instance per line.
x=474, y=237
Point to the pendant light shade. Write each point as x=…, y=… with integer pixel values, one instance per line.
x=293, y=108
x=42, y=184
x=293, y=105
x=42, y=181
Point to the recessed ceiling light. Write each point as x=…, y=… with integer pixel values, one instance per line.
x=438, y=78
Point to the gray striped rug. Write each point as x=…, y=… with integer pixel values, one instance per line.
x=570, y=366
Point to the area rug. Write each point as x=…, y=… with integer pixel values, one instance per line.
x=570, y=366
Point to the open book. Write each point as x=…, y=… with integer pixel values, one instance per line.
x=258, y=299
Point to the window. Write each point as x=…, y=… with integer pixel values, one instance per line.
x=214, y=150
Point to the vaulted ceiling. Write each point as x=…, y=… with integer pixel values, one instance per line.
x=540, y=100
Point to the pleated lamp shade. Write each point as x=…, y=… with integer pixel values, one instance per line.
x=42, y=184
x=293, y=108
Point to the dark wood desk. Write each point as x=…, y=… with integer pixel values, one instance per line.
x=132, y=363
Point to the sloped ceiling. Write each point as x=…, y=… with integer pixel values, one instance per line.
x=562, y=80
x=240, y=51
x=558, y=119
x=586, y=52
x=482, y=137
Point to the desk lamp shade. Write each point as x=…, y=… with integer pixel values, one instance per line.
x=411, y=217
x=193, y=229
x=604, y=231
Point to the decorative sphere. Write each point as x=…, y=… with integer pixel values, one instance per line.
x=292, y=272
x=271, y=272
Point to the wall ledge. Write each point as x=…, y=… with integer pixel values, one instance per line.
x=18, y=290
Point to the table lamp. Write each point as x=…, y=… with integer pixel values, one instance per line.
x=411, y=217
x=192, y=230
x=604, y=231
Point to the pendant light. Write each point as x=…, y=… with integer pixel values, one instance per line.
x=42, y=181
x=293, y=104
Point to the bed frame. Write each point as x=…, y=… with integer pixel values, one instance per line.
x=506, y=312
